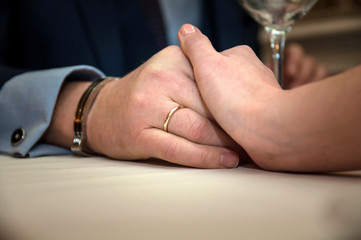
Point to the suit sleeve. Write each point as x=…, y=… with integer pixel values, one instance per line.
x=26, y=104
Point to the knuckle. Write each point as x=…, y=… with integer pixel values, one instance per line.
x=245, y=49
x=172, y=53
x=137, y=100
x=205, y=158
x=154, y=74
x=172, y=50
x=198, y=130
x=170, y=150
x=153, y=71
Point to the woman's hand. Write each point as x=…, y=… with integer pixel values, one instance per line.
x=315, y=127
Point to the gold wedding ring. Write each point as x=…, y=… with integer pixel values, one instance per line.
x=169, y=116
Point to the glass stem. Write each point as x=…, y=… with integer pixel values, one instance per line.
x=277, y=41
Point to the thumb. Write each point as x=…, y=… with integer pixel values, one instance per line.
x=194, y=44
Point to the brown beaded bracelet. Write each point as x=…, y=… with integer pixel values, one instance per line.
x=86, y=101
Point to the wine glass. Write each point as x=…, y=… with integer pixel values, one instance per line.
x=277, y=17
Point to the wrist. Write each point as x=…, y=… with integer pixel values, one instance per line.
x=60, y=131
x=264, y=135
x=98, y=120
x=80, y=142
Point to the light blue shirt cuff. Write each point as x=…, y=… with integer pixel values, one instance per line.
x=27, y=101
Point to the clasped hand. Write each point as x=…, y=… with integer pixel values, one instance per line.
x=127, y=120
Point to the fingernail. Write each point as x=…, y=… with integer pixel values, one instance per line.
x=187, y=28
x=229, y=160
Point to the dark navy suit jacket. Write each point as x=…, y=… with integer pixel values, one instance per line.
x=112, y=35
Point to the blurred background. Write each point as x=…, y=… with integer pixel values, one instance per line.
x=331, y=32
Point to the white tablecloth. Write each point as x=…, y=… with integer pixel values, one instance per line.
x=69, y=197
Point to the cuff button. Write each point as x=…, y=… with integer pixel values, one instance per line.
x=18, y=136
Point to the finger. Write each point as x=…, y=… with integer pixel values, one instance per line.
x=320, y=73
x=206, y=65
x=194, y=127
x=307, y=69
x=190, y=125
x=293, y=56
x=181, y=151
x=194, y=44
x=304, y=73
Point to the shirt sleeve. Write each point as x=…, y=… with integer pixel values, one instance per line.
x=27, y=102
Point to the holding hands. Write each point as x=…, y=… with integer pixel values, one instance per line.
x=198, y=107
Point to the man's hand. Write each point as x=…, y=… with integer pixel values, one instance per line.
x=126, y=120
